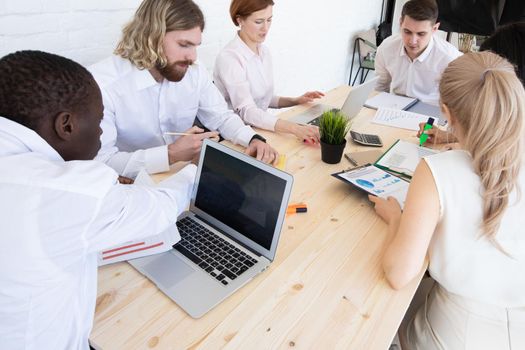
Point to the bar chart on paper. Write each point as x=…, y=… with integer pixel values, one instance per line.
x=377, y=182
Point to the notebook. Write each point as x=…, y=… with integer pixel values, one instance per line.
x=388, y=100
x=351, y=107
x=228, y=235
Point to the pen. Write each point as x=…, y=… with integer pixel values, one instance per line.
x=423, y=138
x=350, y=159
x=177, y=133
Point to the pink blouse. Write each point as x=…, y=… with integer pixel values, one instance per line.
x=245, y=79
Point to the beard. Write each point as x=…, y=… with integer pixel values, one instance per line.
x=174, y=72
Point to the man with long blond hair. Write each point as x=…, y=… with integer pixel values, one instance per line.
x=152, y=88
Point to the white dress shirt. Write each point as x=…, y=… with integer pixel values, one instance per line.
x=138, y=111
x=245, y=79
x=55, y=216
x=419, y=78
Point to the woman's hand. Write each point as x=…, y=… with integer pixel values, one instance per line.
x=436, y=135
x=388, y=209
x=307, y=133
x=308, y=97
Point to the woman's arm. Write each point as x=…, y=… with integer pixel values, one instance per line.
x=304, y=98
x=308, y=133
x=411, y=230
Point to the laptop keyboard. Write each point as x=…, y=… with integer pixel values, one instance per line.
x=317, y=120
x=219, y=258
x=314, y=121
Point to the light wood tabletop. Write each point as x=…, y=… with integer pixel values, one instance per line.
x=325, y=289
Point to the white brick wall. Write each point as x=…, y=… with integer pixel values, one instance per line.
x=311, y=42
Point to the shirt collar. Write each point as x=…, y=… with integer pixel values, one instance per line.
x=17, y=139
x=425, y=52
x=244, y=49
x=143, y=78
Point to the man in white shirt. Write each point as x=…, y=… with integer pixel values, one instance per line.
x=152, y=87
x=59, y=208
x=411, y=63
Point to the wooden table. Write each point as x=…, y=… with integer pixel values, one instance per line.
x=326, y=288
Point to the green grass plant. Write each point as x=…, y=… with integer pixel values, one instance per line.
x=333, y=127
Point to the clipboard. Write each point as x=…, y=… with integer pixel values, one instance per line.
x=402, y=158
x=375, y=181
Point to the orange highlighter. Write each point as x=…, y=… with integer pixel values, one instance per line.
x=296, y=208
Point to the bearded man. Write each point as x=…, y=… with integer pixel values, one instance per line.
x=152, y=89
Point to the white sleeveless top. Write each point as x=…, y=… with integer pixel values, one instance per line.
x=463, y=261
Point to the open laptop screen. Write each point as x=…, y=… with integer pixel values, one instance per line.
x=240, y=195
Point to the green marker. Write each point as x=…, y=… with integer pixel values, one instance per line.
x=423, y=138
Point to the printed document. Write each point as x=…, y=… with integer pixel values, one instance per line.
x=147, y=246
x=377, y=182
x=399, y=119
x=403, y=157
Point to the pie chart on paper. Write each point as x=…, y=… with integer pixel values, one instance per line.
x=365, y=183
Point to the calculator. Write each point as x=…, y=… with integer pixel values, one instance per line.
x=366, y=139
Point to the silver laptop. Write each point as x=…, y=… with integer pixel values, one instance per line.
x=353, y=104
x=228, y=236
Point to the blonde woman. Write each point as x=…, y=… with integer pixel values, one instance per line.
x=507, y=41
x=464, y=210
x=244, y=74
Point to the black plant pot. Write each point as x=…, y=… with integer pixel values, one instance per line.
x=332, y=154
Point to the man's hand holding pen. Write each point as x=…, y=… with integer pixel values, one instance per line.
x=188, y=146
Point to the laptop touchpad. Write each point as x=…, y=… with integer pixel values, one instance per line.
x=168, y=269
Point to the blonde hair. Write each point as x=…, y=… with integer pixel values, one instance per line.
x=142, y=38
x=487, y=99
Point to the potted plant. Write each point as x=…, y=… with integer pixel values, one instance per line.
x=333, y=127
